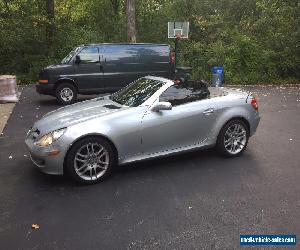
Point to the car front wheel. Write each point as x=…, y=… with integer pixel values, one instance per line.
x=233, y=138
x=90, y=160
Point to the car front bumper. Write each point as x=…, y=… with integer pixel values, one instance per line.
x=40, y=156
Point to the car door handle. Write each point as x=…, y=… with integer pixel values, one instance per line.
x=208, y=111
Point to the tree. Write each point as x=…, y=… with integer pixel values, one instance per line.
x=50, y=28
x=257, y=41
x=130, y=12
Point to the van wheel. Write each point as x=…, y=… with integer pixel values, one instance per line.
x=66, y=93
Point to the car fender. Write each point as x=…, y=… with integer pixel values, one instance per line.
x=226, y=114
x=81, y=130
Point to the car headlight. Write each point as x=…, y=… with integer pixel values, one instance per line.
x=49, y=138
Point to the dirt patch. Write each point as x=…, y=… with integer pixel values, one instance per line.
x=5, y=111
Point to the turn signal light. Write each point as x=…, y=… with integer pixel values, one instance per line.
x=254, y=104
x=53, y=152
x=43, y=81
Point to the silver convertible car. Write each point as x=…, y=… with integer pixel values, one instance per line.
x=151, y=117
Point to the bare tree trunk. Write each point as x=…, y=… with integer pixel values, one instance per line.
x=50, y=28
x=130, y=12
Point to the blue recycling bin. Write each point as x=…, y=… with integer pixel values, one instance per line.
x=217, y=76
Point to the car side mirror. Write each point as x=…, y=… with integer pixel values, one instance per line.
x=161, y=106
x=77, y=59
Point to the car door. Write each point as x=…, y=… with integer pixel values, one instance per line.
x=188, y=124
x=88, y=74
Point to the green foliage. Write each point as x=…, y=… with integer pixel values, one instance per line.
x=256, y=41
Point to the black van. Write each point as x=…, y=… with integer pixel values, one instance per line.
x=104, y=68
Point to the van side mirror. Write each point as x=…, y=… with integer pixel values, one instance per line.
x=161, y=106
x=77, y=59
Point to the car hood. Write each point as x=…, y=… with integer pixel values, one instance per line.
x=76, y=113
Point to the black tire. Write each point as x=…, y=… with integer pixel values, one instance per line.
x=232, y=142
x=66, y=93
x=73, y=167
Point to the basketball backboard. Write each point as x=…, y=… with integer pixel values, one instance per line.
x=178, y=30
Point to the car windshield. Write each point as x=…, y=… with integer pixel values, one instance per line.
x=137, y=92
x=70, y=56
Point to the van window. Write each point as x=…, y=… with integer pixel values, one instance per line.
x=151, y=54
x=70, y=56
x=121, y=53
x=89, y=55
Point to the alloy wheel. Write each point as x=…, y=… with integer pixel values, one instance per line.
x=91, y=161
x=235, y=138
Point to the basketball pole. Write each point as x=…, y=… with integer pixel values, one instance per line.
x=176, y=51
x=178, y=30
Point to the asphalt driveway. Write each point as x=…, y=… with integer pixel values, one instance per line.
x=193, y=201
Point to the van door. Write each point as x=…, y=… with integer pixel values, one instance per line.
x=121, y=66
x=88, y=74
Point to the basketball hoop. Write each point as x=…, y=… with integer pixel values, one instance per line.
x=178, y=30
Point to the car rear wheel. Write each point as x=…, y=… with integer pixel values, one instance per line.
x=66, y=93
x=90, y=160
x=233, y=138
